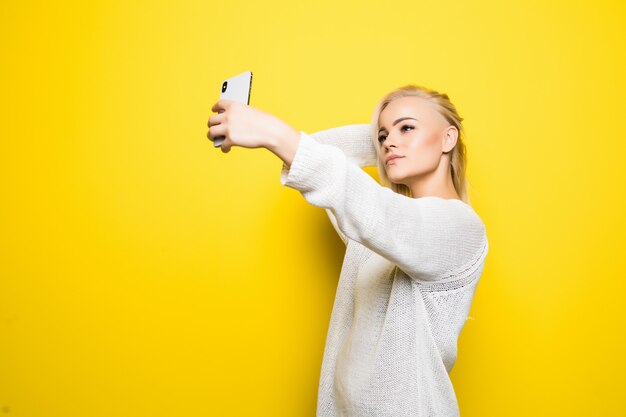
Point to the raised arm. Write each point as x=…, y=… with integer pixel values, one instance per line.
x=426, y=237
x=356, y=143
x=354, y=140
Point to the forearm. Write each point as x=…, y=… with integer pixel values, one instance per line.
x=354, y=140
x=284, y=143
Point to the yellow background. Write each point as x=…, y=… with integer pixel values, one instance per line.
x=145, y=273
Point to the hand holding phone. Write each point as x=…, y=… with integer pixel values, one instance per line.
x=236, y=88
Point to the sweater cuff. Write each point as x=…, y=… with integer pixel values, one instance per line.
x=307, y=162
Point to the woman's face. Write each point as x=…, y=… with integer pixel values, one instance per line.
x=420, y=143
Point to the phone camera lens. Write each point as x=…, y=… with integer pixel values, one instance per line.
x=224, y=86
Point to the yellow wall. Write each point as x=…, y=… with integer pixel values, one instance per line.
x=145, y=273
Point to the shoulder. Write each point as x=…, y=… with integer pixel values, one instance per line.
x=455, y=234
x=454, y=211
x=453, y=222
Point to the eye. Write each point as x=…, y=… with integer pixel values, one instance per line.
x=381, y=138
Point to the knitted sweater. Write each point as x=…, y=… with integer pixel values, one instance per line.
x=406, y=285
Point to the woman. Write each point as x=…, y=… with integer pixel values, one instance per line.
x=415, y=248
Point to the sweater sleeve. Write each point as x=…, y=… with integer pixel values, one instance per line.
x=355, y=141
x=429, y=238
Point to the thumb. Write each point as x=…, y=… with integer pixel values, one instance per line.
x=225, y=147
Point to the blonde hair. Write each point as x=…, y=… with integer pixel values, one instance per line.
x=444, y=106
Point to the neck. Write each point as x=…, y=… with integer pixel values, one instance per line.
x=437, y=183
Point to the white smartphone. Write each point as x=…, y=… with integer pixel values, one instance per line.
x=235, y=88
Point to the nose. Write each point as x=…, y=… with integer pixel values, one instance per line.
x=389, y=142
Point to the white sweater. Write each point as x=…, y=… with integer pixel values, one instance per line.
x=406, y=285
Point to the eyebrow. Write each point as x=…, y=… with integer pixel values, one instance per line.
x=398, y=121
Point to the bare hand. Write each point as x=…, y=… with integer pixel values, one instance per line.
x=243, y=125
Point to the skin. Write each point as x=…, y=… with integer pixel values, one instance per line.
x=249, y=127
x=424, y=146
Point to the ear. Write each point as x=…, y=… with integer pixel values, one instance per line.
x=449, y=139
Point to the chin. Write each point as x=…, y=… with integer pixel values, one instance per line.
x=394, y=178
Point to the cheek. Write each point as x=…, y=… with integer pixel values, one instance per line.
x=424, y=151
x=424, y=146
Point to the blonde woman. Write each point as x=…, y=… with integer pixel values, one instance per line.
x=415, y=248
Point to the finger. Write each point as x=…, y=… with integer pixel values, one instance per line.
x=222, y=105
x=214, y=120
x=216, y=131
x=225, y=147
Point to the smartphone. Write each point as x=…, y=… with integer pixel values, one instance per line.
x=235, y=88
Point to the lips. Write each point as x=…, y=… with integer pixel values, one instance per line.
x=391, y=158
